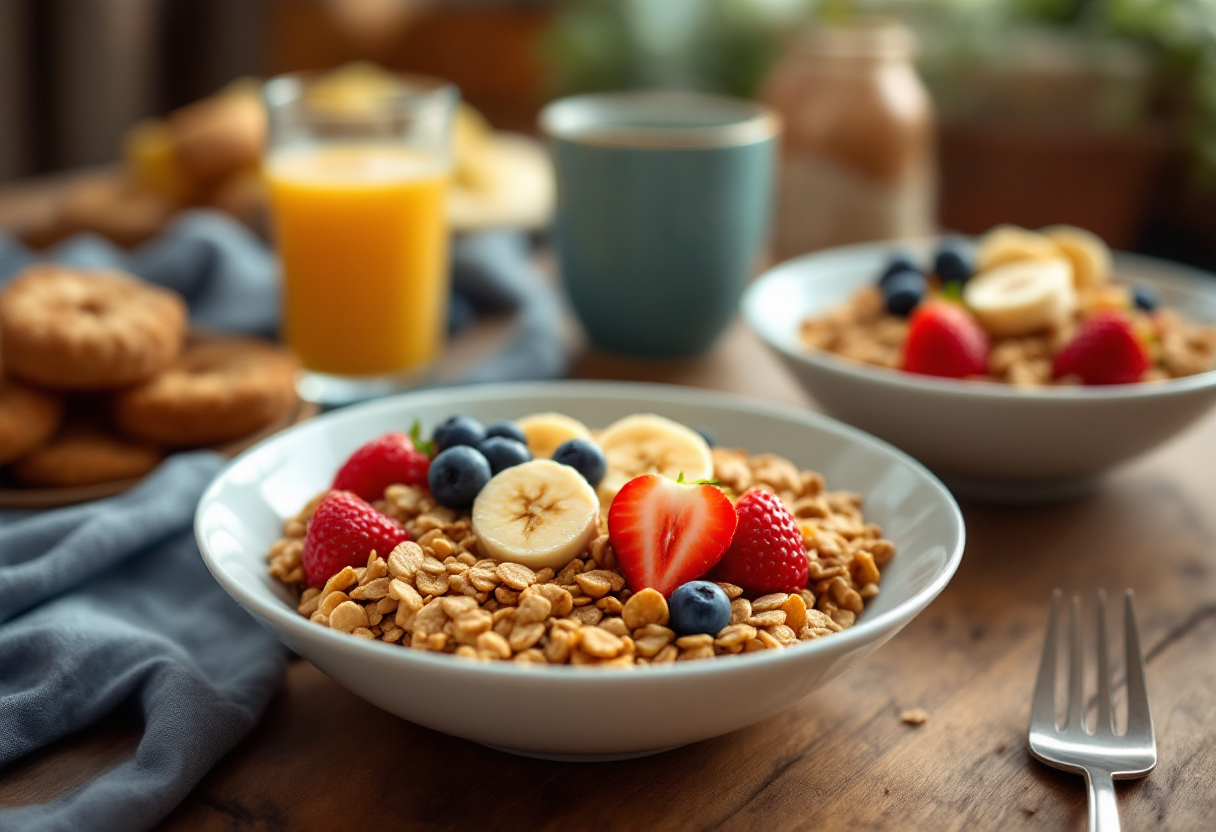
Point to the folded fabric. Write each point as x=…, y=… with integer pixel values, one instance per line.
x=106, y=605
x=229, y=279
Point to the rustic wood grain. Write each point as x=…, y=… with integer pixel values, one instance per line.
x=322, y=759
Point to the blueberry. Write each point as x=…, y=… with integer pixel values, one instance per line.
x=899, y=262
x=502, y=453
x=1145, y=297
x=708, y=436
x=508, y=430
x=584, y=456
x=954, y=261
x=904, y=292
x=457, y=475
x=459, y=430
x=699, y=607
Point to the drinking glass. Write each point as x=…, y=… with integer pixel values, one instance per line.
x=358, y=179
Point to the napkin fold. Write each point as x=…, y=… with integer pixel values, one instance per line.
x=108, y=605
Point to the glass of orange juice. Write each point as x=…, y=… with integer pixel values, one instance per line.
x=357, y=167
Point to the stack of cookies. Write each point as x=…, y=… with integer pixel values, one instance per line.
x=101, y=379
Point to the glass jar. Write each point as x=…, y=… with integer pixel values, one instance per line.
x=857, y=151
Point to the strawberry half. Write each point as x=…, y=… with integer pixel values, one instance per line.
x=943, y=340
x=1105, y=350
x=390, y=460
x=666, y=533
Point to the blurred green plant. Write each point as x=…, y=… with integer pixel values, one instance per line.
x=1144, y=56
x=713, y=45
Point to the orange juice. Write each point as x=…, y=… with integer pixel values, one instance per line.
x=362, y=234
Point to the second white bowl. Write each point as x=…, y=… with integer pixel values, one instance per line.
x=985, y=439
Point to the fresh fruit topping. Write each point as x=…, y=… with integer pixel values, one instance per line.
x=666, y=533
x=457, y=431
x=699, y=607
x=545, y=431
x=1088, y=254
x=898, y=262
x=584, y=456
x=507, y=430
x=540, y=513
x=767, y=554
x=502, y=453
x=386, y=461
x=954, y=261
x=1105, y=350
x=903, y=292
x=425, y=446
x=457, y=476
x=343, y=531
x=1010, y=244
x=943, y=340
x=1145, y=297
x=1022, y=298
x=649, y=444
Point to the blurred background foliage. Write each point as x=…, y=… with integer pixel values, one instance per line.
x=1103, y=65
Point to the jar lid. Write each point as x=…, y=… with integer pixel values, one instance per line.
x=876, y=40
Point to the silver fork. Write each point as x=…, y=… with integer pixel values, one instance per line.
x=1102, y=756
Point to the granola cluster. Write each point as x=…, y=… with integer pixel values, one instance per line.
x=437, y=593
x=863, y=330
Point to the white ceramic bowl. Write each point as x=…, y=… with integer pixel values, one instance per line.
x=985, y=439
x=533, y=709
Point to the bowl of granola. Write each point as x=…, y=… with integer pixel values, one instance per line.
x=500, y=562
x=1019, y=367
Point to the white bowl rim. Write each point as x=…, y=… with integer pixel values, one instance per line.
x=860, y=633
x=1184, y=278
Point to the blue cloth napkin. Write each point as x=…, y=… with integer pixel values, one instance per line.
x=108, y=604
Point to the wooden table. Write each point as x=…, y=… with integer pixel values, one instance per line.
x=322, y=759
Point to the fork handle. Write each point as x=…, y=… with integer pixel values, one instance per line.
x=1103, y=809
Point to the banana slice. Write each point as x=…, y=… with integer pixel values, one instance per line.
x=545, y=431
x=539, y=513
x=1087, y=252
x=1023, y=297
x=649, y=444
x=1010, y=244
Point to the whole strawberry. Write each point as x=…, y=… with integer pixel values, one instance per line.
x=1105, y=350
x=943, y=340
x=342, y=532
x=766, y=554
x=386, y=461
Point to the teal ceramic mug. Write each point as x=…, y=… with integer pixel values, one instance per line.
x=663, y=203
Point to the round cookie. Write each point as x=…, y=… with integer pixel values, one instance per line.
x=28, y=417
x=76, y=329
x=217, y=390
x=84, y=454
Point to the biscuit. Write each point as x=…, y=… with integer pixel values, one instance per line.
x=219, y=135
x=85, y=454
x=28, y=418
x=74, y=329
x=116, y=207
x=218, y=390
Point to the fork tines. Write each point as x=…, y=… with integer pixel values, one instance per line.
x=1043, y=710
